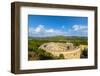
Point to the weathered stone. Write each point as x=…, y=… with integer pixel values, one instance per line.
x=67, y=49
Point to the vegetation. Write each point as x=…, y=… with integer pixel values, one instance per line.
x=40, y=54
x=61, y=56
x=84, y=53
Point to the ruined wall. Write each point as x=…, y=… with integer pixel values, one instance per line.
x=60, y=48
x=73, y=54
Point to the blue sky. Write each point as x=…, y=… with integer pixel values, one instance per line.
x=43, y=25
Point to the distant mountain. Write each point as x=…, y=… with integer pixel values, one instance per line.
x=60, y=38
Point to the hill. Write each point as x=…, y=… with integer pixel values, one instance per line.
x=59, y=38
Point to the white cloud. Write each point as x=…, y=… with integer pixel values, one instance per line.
x=79, y=27
x=78, y=30
x=42, y=31
x=50, y=30
x=40, y=28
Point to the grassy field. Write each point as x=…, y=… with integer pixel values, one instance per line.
x=34, y=53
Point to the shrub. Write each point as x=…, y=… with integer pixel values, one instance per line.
x=43, y=55
x=84, y=53
x=61, y=56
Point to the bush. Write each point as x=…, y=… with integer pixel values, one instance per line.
x=84, y=53
x=43, y=55
x=76, y=44
x=61, y=56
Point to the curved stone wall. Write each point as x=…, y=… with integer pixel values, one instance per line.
x=73, y=54
x=68, y=54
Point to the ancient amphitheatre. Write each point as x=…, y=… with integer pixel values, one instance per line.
x=67, y=49
x=58, y=47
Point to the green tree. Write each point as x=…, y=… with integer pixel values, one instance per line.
x=61, y=56
x=76, y=44
x=43, y=55
x=84, y=53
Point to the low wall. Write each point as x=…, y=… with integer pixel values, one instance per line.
x=72, y=54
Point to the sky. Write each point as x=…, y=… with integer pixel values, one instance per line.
x=47, y=25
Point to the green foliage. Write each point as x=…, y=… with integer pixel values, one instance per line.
x=76, y=44
x=43, y=55
x=61, y=56
x=35, y=43
x=84, y=53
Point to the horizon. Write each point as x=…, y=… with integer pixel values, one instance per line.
x=48, y=26
x=55, y=36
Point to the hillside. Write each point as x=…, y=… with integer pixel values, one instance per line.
x=72, y=39
x=60, y=38
x=39, y=54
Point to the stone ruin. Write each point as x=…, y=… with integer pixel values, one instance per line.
x=67, y=49
x=52, y=46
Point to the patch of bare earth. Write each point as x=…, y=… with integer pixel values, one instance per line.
x=32, y=55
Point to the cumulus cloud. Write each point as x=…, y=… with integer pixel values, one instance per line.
x=50, y=30
x=79, y=27
x=42, y=31
x=40, y=28
x=79, y=30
